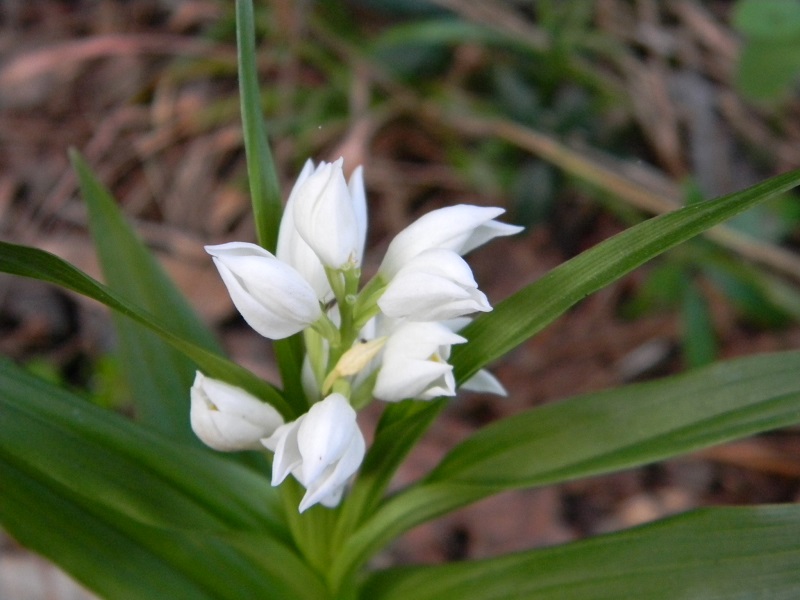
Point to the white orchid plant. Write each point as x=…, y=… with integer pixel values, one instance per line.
x=390, y=340
x=142, y=510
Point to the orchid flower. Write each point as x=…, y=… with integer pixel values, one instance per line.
x=227, y=418
x=414, y=363
x=459, y=228
x=330, y=216
x=436, y=284
x=321, y=449
x=272, y=297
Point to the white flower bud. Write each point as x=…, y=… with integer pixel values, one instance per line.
x=293, y=250
x=414, y=363
x=331, y=217
x=436, y=284
x=227, y=418
x=272, y=297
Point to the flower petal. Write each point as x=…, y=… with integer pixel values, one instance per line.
x=272, y=297
x=227, y=418
x=325, y=433
x=325, y=217
x=460, y=228
x=414, y=363
x=435, y=285
x=292, y=248
x=485, y=383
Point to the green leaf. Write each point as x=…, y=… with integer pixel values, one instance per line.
x=158, y=375
x=768, y=19
x=632, y=425
x=119, y=557
x=265, y=191
x=767, y=68
x=53, y=435
x=699, y=336
x=718, y=553
x=528, y=311
x=131, y=513
x=593, y=434
x=32, y=262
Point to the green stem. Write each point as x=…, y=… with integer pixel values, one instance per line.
x=311, y=530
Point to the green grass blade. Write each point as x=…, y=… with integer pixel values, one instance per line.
x=528, y=311
x=158, y=375
x=38, y=264
x=710, y=554
x=265, y=190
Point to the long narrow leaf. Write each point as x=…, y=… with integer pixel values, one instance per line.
x=38, y=264
x=593, y=434
x=264, y=188
x=527, y=312
x=119, y=557
x=265, y=192
x=708, y=554
x=158, y=374
x=50, y=434
x=133, y=514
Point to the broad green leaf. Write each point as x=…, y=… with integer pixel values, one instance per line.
x=767, y=68
x=131, y=513
x=265, y=191
x=528, y=311
x=54, y=436
x=717, y=553
x=38, y=264
x=158, y=374
x=593, y=434
x=117, y=556
x=631, y=425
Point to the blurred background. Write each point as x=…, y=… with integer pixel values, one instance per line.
x=580, y=118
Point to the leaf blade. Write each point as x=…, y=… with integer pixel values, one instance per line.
x=593, y=434
x=158, y=375
x=528, y=311
x=265, y=191
x=38, y=264
x=711, y=553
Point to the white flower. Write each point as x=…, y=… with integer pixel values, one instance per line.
x=272, y=297
x=330, y=216
x=483, y=382
x=414, y=363
x=459, y=228
x=227, y=418
x=294, y=251
x=436, y=284
x=321, y=449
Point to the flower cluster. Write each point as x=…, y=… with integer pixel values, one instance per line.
x=389, y=339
